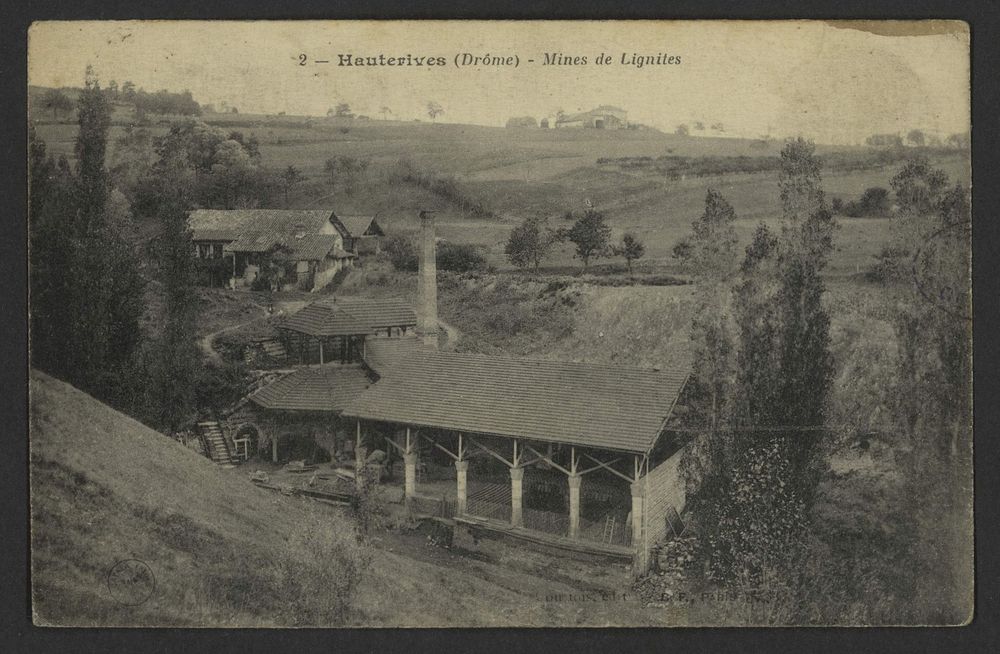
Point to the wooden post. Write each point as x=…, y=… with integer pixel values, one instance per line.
x=321, y=351
x=274, y=448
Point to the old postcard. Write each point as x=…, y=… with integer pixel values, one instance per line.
x=444, y=323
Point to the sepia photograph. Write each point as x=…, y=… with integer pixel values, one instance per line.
x=500, y=323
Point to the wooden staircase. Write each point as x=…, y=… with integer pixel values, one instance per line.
x=214, y=443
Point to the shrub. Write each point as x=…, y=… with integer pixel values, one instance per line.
x=873, y=203
x=460, y=257
x=401, y=252
x=318, y=586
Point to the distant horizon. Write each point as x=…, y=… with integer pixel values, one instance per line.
x=828, y=81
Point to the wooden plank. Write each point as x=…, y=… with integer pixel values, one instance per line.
x=602, y=464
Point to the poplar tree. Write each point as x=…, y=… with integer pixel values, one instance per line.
x=86, y=287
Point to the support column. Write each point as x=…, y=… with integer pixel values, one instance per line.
x=409, y=468
x=410, y=475
x=274, y=448
x=461, y=477
x=574, y=505
x=638, y=510
x=516, y=479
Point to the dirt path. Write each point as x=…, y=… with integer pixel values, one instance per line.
x=206, y=343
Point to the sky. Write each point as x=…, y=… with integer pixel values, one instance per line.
x=826, y=81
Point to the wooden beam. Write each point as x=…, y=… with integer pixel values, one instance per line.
x=491, y=452
x=409, y=443
x=392, y=441
x=440, y=447
x=598, y=467
x=606, y=466
x=548, y=459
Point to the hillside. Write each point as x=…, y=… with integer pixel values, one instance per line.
x=224, y=552
x=483, y=180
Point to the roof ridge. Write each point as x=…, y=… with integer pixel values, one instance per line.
x=678, y=367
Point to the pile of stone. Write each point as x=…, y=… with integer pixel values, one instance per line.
x=671, y=562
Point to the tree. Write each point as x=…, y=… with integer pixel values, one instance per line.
x=529, y=243
x=275, y=267
x=799, y=180
x=343, y=110
x=56, y=101
x=699, y=126
x=915, y=137
x=128, y=91
x=176, y=362
x=757, y=480
x=290, y=178
x=590, y=234
x=682, y=130
x=873, y=202
x=460, y=257
x=87, y=290
x=710, y=257
x=385, y=111
x=918, y=186
x=344, y=168
x=434, y=109
x=631, y=248
x=958, y=141
x=94, y=114
x=401, y=252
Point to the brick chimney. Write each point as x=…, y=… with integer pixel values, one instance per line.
x=427, y=319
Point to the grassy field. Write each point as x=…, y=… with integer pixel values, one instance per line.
x=516, y=173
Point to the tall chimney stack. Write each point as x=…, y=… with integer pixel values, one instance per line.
x=427, y=320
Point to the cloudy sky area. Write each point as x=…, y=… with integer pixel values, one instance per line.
x=832, y=84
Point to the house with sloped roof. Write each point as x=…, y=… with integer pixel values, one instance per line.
x=603, y=117
x=312, y=246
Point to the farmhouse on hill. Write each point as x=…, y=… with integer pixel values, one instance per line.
x=577, y=457
x=603, y=117
x=316, y=243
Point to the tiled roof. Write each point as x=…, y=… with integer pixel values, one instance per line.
x=380, y=313
x=211, y=235
x=255, y=230
x=358, y=225
x=317, y=319
x=318, y=388
x=313, y=247
x=381, y=353
x=581, y=404
x=252, y=241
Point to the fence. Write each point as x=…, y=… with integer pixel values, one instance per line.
x=489, y=500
